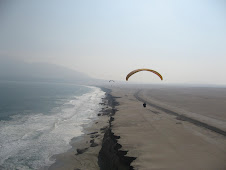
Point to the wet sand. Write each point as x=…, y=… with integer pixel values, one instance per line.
x=85, y=149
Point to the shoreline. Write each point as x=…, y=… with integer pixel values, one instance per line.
x=143, y=138
x=85, y=148
x=90, y=150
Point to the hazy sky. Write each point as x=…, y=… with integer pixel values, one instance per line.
x=184, y=40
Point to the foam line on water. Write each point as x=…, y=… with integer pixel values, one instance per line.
x=28, y=141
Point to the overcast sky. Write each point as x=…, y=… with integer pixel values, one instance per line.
x=184, y=40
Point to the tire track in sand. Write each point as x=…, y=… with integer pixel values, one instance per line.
x=182, y=117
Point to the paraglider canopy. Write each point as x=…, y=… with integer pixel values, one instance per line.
x=111, y=80
x=143, y=69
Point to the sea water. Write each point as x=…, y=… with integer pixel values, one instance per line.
x=38, y=120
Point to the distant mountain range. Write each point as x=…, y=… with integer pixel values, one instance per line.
x=15, y=70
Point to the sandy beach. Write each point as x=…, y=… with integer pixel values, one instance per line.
x=181, y=128
x=160, y=140
x=85, y=149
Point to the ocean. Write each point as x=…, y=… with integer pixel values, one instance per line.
x=38, y=120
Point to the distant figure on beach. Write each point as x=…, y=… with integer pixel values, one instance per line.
x=144, y=104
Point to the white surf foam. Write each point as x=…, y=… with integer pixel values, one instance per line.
x=27, y=142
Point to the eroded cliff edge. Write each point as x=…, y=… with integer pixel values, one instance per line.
x=110, y=156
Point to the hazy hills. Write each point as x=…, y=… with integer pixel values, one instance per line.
x=15, y=70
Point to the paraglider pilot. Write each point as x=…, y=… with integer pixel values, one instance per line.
x=144, y=104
